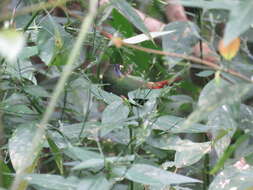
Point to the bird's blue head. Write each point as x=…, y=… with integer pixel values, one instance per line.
x=117, y=70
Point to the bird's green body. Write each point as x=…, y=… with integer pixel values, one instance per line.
x=121, y=84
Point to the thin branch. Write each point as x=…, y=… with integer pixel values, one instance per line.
x=118, y=42
x=190, y=58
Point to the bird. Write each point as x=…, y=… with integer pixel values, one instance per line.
x=120, y=84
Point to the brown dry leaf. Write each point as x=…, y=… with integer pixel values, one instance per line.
x=229, y=51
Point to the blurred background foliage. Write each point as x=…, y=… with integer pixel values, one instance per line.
x=194, y=134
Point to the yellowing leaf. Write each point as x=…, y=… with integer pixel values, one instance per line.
x=230, y=50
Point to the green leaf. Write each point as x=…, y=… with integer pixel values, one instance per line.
x=222, y=127
x=172, y=124
x=94, y=183
x=19, y=109
x=52, y=182
x=36, y=91
x=144, y=94
x=56, y=154
x=5, y=175
x=205, y=73
x=150, y=175
x=91, y=163
x=206, y=4
x=215, y=95
x=237, y=176
x=228, y=152
x=149, y=98
x=240, y=20
x=114, y=116
x=54, y=43
x=28, y=52
x=115, y=112
x=87, y=129
x=123, y=7
x=99, y=162
x=79, y=98
x=83, y=154
x=181, y=41
x=103, y=95
x=20, y=145
x=21, y=69
x=187, y=152
x=121, y=24
x=120, y=135
x=246, y=118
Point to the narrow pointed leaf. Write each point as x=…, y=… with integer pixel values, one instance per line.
x=56, y=153
x=94, y=183
x=151, y=175
x=52, y=182
x=99, y=162
x=126, y=9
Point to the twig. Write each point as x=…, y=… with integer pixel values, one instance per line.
x=118, y=42
x=190, y=58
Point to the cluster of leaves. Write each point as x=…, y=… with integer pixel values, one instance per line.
x=179, y=137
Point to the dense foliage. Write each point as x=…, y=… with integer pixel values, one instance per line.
x=62, y=128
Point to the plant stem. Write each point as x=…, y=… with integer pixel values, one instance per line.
x=39, y=136
x=131, y=152
x=206, y=167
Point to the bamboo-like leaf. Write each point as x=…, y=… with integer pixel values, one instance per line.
x=57, y=154
x=126, y=9
x=53, y=182
x=150, y=175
